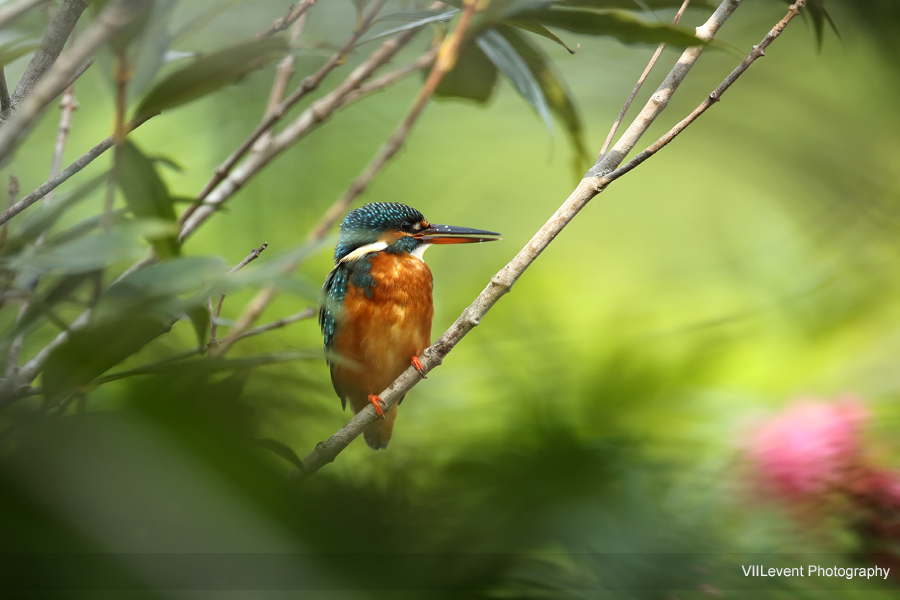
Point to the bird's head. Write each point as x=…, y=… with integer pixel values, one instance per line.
x=394, y=227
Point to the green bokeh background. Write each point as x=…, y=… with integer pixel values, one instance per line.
x=751, y=262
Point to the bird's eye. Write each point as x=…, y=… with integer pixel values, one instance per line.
x=406, y=226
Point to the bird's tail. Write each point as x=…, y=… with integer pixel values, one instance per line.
x=378, y=434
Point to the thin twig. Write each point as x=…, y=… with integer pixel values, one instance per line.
x=640, y=82
x=148, y=368
x=283, y=74
x=660, y=98
x=287, y=20
x=54, y=182
x=115, y=16
x=214, y=325
x=300, y=316
x=309, y=84
x=68, y=105
x=310, y=118
x=444, y=62
x=61, y=26
x=391, y=78
x=714, y=96
x=502, y=282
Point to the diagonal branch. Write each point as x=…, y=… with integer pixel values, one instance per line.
x=502, y=282
x=113, y=18
x=55, y=181
x=660, y=99
x=309, y=84
x=58, y=32
x=640, y=83
x=287, y=20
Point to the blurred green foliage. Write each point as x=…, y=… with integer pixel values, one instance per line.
x=585, y=441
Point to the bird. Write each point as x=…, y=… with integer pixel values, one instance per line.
x=375, y=310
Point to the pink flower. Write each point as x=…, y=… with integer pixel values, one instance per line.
x=811, y=449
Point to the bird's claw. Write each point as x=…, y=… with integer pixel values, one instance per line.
x=376, y=402
x=418, y=365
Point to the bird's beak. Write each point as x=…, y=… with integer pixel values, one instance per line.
x=449, y=234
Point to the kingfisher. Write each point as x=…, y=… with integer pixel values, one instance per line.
x=376, y=309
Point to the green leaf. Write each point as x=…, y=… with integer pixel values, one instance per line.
x=819, y=16
x=79, y=255
x=557, y=96
x=89, y=353
x=200, y=318
x=623, y=26
x=9, y=56
x=472, y=77
x=508, y=61
x=44, y=302
x=146, y=193
x=535, y=27
x=209, y=73
x=434, y=18
x=41, y=220
x=150, y=49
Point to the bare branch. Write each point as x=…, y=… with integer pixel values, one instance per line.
x=112, y=18
x=640, y=83
x=54, y=182
x=502, y=282
x=52, y=44
x=444, y=62
x=214, y=326
x=68, y=106
x=315, y=114
x=11, y=11
x=391, y=78
x=714, y=96
x=287, y=20
x=300, y=316
x=660, y=99
x=309, y=84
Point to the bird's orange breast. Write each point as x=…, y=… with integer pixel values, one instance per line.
x=380, y=331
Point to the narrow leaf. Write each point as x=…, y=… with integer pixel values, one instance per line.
x=633, y=4
x=558, y=97
x=623, y=26
x=146, y=193
x=508, y=61
x=89, y=353
x=209, y=73
x=444, y=16
x=282, y=450
x=79, y=255
x=535, y=27
x=199, y=316
x=10, y=55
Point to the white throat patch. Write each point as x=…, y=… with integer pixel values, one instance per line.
x=363, y=250
x=419, y=252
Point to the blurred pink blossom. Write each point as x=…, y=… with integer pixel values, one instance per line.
x=810, y=449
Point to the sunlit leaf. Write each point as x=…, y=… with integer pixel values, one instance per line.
x=508, y=61
x=209, y=73
x=472, y=77
x=618, y=24
x=89, y=353
x=146, y=193
x=556, y=95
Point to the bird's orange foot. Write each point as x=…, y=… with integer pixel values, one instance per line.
x=418, y=365
x=376, y=402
